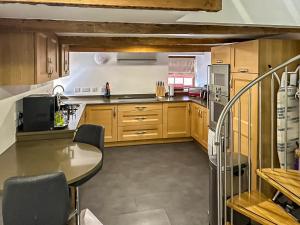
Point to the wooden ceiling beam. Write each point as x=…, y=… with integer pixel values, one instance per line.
x=134, y=28
x=92, y=41
x=187, y=5
x=130, y=48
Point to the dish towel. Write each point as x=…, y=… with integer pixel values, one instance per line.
x=292, y=118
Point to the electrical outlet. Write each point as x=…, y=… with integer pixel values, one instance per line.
x=86, y=90
x=77, y=90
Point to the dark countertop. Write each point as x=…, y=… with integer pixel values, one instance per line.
x=98, y=100
x=90, y=100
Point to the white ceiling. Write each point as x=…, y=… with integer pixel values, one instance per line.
x=251, y=12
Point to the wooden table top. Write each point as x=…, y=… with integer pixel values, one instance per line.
x=29, y=158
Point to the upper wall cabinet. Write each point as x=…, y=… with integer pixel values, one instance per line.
x=220, y=55
x=64, y=60
x=28, y=58
x=244, y=57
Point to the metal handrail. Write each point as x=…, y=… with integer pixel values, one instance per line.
x=242, y=91
x=219, y=140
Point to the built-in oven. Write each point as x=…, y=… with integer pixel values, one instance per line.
x=219, y=79
x=217, y=103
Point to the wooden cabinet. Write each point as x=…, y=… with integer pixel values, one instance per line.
x=241, y=143
x=199, y=124
x=64, y=60
x=244, y=57
x=195, y=122
x=220, y=55
x=104, y=115
x=141, y=114
x=139, y=122
x=136, y=132
x=28, y=58
x=176, y=121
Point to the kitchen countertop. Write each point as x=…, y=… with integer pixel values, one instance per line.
x=30, y=158
x=82, y=101
x=89, y=100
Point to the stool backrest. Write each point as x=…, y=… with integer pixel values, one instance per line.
x=90, y=134
x=38, y=200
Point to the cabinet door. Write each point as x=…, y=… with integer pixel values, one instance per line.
x=53, y=57
x=42, y=66
x=241, y=143
x=195, y=122
x=105, y=116
x=220, y=55
x=176, y=120
x=244, y=57
x=204, y=127
x=64, y=61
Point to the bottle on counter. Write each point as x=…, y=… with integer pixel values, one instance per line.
x=107, y=90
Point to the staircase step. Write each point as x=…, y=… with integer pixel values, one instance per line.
x=287, y=182
x=259, y=208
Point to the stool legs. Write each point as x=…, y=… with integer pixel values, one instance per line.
x=77, y=205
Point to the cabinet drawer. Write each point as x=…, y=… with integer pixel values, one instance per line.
x=139, y=107
x=133, y=133
x=130, y=118
x=220, y=55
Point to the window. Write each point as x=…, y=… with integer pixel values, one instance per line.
x=182, y=71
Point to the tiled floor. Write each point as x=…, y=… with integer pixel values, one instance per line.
x=163, y=184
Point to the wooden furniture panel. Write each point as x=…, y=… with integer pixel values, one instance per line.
x=16, y=58
x=52, y=56
x=287, y=182
x=220, y=55
x=105, y=116
x=259, y=208
x=204, y=127
x=176, y=120
x=140, y=132
x=188, y=5
x=195, y=122
x=238, y=81
x=43, y=69
x=30, y=58
x=64, y=59
x=244, y=57
x=130, y=118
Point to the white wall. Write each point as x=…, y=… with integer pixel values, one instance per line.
x=123, y=79
x=9, y=96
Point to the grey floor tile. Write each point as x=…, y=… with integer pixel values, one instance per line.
x=150, y=217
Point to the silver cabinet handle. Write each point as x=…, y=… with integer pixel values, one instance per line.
x=140, y=118
x=141, y=132
x=243, y=70
x=140, y=107
x=219, y=61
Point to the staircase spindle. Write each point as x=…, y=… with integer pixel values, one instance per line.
x=231, y=161
x=272, y=121
x=286, y=116
x=260, y=129
x=249, y=139
x=240, y=144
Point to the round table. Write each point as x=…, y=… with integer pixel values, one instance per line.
x=29, y=158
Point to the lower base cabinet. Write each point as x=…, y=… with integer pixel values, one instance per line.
x=105, y=116
x=199, y=124
x=176, y=120
x=138, y=122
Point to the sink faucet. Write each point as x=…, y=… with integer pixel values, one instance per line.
x=57, y=86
